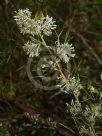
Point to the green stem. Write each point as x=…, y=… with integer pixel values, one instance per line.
x=45, y=45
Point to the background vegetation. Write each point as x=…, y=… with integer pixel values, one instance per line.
x=26, y=111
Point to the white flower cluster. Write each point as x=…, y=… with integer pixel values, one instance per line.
x=65, y=51
x=71, y=84
x=36, y=26
x=90, y=114
x=47, y=25
x=24, y=21
x=75, y=107
x=93, y=113
x=32, y=48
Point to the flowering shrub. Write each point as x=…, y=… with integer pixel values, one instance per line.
x=37, y=29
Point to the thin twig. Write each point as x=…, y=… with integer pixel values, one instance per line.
x=18, y=105
x=89, y=47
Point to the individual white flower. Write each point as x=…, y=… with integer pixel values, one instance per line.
x=65, y=51
x=32, y=49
